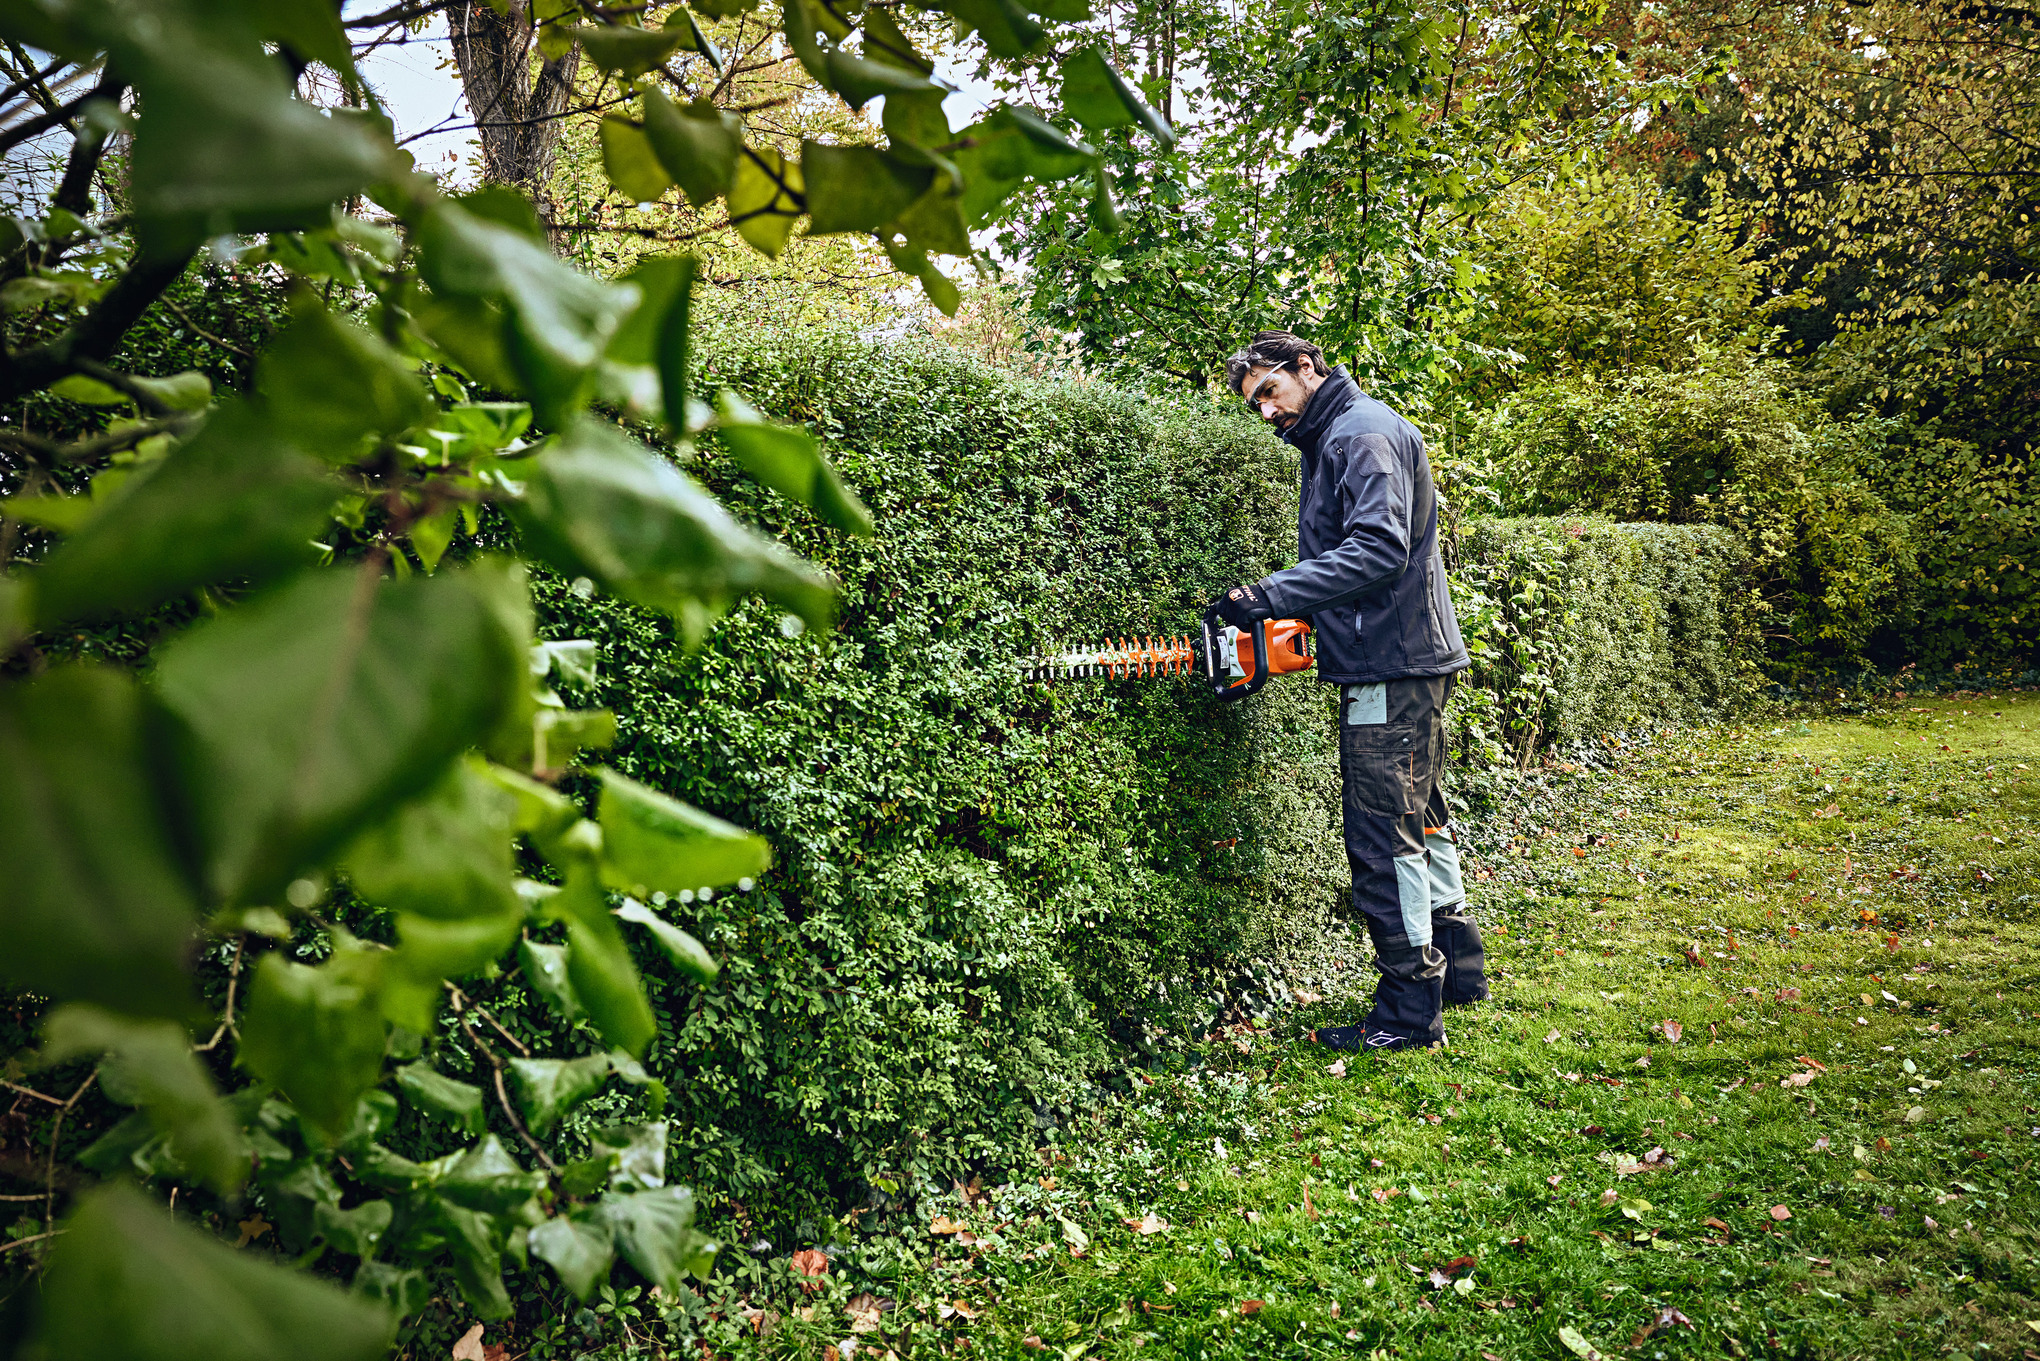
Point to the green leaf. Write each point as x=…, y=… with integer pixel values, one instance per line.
x=1098, y=97
x=400, y=1290
x=317, y=1034
x=657, y=331
x=561, y=319
x=630, y=52
x=1009, y=148
x=654, y=843
x=223, y=146
x=486, y=1178
x=309, y=711
x=763, y=199
x=1104, y=212
x=627, y=156
x=787, y=459
x=125, y=1281
x=548, y=1088
x=428, y=1090
x=430, y=951
x=600, y=505
x=697, y=41
x=94, y=905
x=698, y=145
x=545, y=968
x=476, y=1242
x=445, y=854
x=188, y=391
x=578, y=1249
x=328, y=383
x=725, y=9
x=1003, y=24
x=233, y=501
x=506, y=207
x=857, y=188
x=654, y=1233
x=153, y=1061
x=78, y=388
x=356, y=1232
x=539, y=809
x=471, y=335
x=600, y=967
x=639, y=1154
x=689, y=955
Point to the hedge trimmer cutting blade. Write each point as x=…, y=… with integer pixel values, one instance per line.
x=1235, y=662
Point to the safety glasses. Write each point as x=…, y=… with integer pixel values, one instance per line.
x=1255, y=394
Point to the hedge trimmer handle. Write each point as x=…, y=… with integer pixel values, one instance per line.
x=1218, y=651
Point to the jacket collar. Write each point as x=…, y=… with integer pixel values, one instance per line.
x=1326, y=405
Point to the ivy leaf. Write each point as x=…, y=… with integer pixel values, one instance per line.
x=627, y=156
x=402, y=1291
x=317, y=1034
x=445, y=854
x=457, y=1103
x=487, y=1179
x=1003, y=24
x=687, y=953
x=232, y=501
x=630, y=52
x=1008, y=149
x=787, y=459
x=1098, y=97
x=654, y=1233
x=858, y=188
x=327, y=383
x=764, y=199
x=545, y=968
x=476, y=1242
x=638, y=1152
x=94, y=905
x=600, y=967
x=578, y=1249
x=548, y=1088
x=653, y=842
x=696, y=40
x=126, y=1281
x=358, y=1231
x=698, y=146
x=307, y=712
x=538, y=809
x=600, y=505
x=77, y=387
x=561, y=319
x=187, y=391
x=152, y=1060
x=222, y=146
x=657, y=332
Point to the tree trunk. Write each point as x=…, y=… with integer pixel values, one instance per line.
x=516, y=113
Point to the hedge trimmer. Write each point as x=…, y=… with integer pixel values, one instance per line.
x=1234, y=662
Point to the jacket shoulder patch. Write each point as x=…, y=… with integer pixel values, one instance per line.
x=1373, y=453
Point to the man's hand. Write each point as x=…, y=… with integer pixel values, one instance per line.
x=1243, y=607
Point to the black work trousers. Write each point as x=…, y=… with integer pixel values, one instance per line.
x=1405, y=862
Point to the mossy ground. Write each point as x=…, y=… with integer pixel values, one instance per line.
x=1758, y=1079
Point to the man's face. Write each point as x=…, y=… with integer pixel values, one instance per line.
x=1278, y=395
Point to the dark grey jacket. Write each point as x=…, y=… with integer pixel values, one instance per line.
x=1368, y=576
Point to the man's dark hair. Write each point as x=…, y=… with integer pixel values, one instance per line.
x=1271, y=350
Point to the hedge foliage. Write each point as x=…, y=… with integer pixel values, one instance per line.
x=983, y=884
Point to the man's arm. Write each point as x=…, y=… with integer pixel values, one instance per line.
x=1376, y=497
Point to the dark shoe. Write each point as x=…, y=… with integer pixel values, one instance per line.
x=1456, y=937
x=1382, y=1041
x=1408, y=1001
x=1346, y=1037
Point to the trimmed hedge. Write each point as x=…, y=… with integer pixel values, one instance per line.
x=989, y=893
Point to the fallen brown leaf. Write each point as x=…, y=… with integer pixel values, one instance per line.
x=469, y=1347
x=1780, y=1213
x=1251, y=1307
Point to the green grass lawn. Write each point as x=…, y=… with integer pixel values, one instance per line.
x=1758, y=1079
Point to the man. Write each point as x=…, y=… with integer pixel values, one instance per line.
x=1370, y=578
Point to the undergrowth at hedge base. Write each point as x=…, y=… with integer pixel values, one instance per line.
x=1874, y=1081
